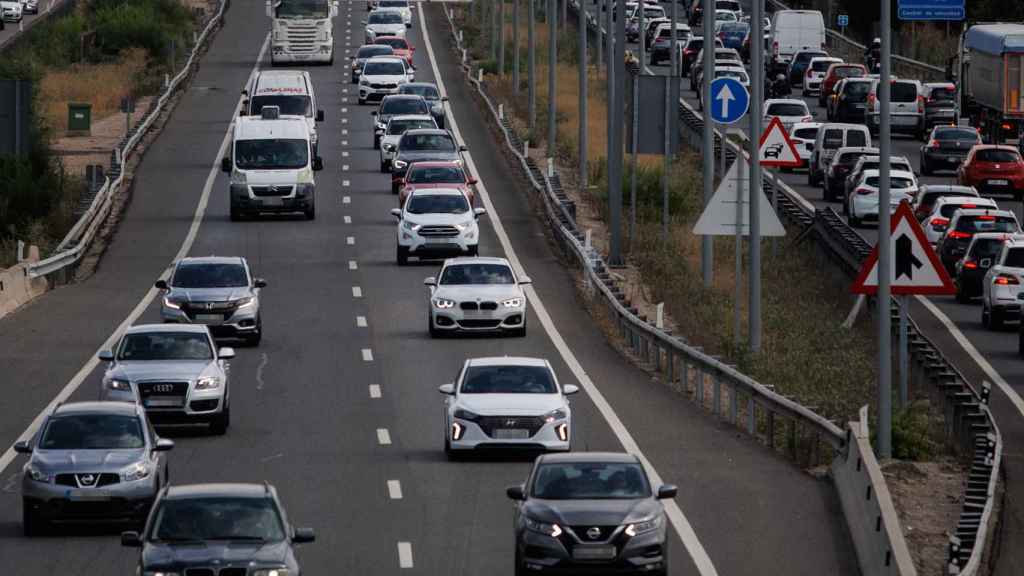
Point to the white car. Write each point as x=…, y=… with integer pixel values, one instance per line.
x=936, y=222
x=737, y=72
x=476, y=295
x=1001, y=288
x=380, y=22
x=803, y=135
x=788, y=110
x=30, y=6
x=10, y=10
x=436, y=223
x=507, y=402
x=400, y=5
x=815, y=73
x=393, y=130
x=382, y=75
x=862, y=204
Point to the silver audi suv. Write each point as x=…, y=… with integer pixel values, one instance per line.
x=476, y=294
x=174, y=371
x=91, y=461
x=219, y=292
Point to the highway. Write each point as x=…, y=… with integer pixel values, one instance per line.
x=306, y=413
x=27, y=21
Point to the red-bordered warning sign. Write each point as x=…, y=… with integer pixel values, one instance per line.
x=776, y=148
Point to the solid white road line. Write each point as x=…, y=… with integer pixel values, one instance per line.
x=383, y=437
x=367, y=355
x=374, y=390
x=186, y=245
x=394, y=489
x=682, y=526
x=404, y=555
x=357, y=292
x=361, y=321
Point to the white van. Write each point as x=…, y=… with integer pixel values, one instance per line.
x=271, y=165
x=291, y=91
x=792, y=31
x=831, y=137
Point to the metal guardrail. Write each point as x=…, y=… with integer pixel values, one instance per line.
x=80, y=237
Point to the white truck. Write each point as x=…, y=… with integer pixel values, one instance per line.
x=302, y=30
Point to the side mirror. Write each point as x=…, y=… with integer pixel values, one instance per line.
x=430, y=281
x=242, y=112
x=106, y=356
x=444, y=98
x=245, y=92
x=226, y=353
x=319, y=115
x=304, y=536
x=225, y=164
x=259, y=283
x=373, y=113
x=516, y=492
x=472, y=181
x=666, y=491
x=448, y=389
x=163, y=445
x=161, y=284
x=318, y=164
x=478, y=212
x=22, y=447
x=462, y=148
x=397, y=213
x=525, y=280
x=569, y=389
x=131, y=539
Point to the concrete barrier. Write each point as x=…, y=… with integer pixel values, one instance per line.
x=16, y=288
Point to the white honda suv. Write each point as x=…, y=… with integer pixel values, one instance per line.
x=436, y=223
x=476, y=295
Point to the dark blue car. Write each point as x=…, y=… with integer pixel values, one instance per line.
x=734, y=34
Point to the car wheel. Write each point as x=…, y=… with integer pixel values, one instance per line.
x=402, y=255
x=474, y=250
x=984, y=315
x=311, y=212
x=394, y=188
x=383, y=166
x=961, y=296
x=31, y=524
x=362, y=101
x=1020, y=343
x=521, y=332
x=853, y=220
x=236, y=215
x=828, y=195
x=354, y=81
x=220, y=423
x=926, y=170
x=810, y=176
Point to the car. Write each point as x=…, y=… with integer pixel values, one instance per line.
x=393, y=130
x=11, y=10
x=738, y=73
x=216, y=291
x=832, y=137
x=651, y=12
x=91, y=461
x=363, y=54
x=793, y=31
x=723, y=57
x=175, y=371
x=661, y=43
x=788, y=110
x=947, y=148
x=384, y=22
x=650, y=27
x=476, y=295
x=970, y=272
x=872, y=162
x=734, y=34
x=381, y=76
x=436, y=223
x=401, y=46
x=862, y=203
x=802, y=135
x=423, y=144
x=939, y=103
x=836, y=72
x=839, y=168
x=393, y=105
x=291, y=91
x=431, y=94
x=226, y=529
x=801, y=61
x=402, y=6
x=733, y=6
x=435, y=174
x=30, y=6
x=507, y=402
x=848, y=103
x=1001, y=287
x=814, y=76
x=589, y=513
x=906, y=108
x=964, y=224
x=937, y=220
x=929, y=194
x=688, y=53
x=993, y=169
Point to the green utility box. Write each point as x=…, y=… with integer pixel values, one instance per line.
x=79, y=118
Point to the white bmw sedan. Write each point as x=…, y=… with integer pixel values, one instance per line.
x=476, y=294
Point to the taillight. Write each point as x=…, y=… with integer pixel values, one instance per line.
x=864, y=191
x=1006, y=126
x=971, y=265
x=1007, y=280
x=933, y=144
x=775, y=48
x=958, y=235
x=967, y=206
x=920, y=104
x=939, y=224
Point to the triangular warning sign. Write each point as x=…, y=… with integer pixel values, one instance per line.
x=725, y=211
x=776, y=148
x=914, y=266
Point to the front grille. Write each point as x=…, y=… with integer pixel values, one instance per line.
x=163, y=394
x=467, y=323
x=439, y=231
x=224, y=309
x=488, y=305
x=490, y=423
x=469, y=306
x=582, y=532
x=264, y=191
x=377, y=86
x=302, y=39
x=215, y=572
x=99, y=480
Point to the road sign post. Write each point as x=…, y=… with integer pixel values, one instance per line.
x=708, y=145
x=757, y=202
x=884, y=315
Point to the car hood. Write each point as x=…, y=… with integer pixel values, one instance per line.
x=511, y=404
x=85, y=460
x=479, y=292
x=135, y=370
x=396, y=29
x=591, y=512
x=417, y=155
x=440, y=219
x=385, y=79
x=219, y=553
x=210, y=294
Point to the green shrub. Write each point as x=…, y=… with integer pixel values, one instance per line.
x=911, y=434
x=150, y=24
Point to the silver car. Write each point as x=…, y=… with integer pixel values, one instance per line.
x=475, y=294
x=91, y=461
x=507, y=402
x=174, y=371
x=219, y=292
x=392, y=133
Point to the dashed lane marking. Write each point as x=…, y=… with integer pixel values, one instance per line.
x=348, y=219
x=350, y=240
x=361, y=321
x=374, y=390
x=357, y=292
x=383, y=437
x=367, y=355
x=394, y=489
x=404, y=555
x=352, y=265
x=346, y=199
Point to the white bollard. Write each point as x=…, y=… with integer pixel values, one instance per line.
x=551, y=167
x=21, y=251
x=526, y=149
x=501, y=111
x=167, y=80
x=588, y=242
x=463, y=55
x=460, y=38
x=660, y=320
x=480, y=75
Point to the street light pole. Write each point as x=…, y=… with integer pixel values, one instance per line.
x=515, y=50
x=884, y=244
x=707, y=247
x=531, y=67
x=616, y=83
x=552, y=70
x=583, y=69
x=501, y=37
x=757, y=87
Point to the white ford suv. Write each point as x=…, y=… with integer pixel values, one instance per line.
x=436, y=223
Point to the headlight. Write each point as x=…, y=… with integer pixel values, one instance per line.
x=642, y=527
x=400, y=164
x=245, y=302
x=553, y=530
x=208, y=383
x=363, y=81
x=381, y=126
x=137, y=471
x=172, y=303
x=559, y=414
x=444, y=303
x=512, y=303
x=159, y=573
x=410, y=225
x=121, y=385
x=389, y=147
x=238, y=177
x=271, y=572
x=38, y=475
x=463, y=414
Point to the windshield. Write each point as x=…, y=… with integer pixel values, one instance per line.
x=400, y=126
x=209, y=275
x=738, y=74
x=426, y=90
x=508, y=380
x=404, y=106
x=996, y=155
x=805, y=133
x=725, y=16
x=805, y=57
x=398, y=43
x=293, y=105
x=393, y=4
x=375, y=50
x=436, y=175
x=437, y=204
x=695, y=44
x=904, y=92
x=848, y=71
x=438, y=142
x=961, y=134
x=821, y=65
x=944, y=93
x=986, y=247
x=848, y=159
x=217, y=518
x=857, y=91
x=165, y=346
x=986, y=223
x=462, y=274
x=92, y=432
x=1014, y=258
x=385, y=18
x=271, y=154
x=302, y=9
x=856, y=139
x=787, y=109
x=590, y=481
x=948, y=210
x=388, y=68
x=895, y=183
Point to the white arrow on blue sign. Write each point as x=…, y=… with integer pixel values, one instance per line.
x=729, y=100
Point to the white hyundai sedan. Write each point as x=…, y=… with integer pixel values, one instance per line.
x=507, y=402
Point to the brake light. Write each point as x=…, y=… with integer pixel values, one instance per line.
x=987, y=218
x=775, y=48
x=956, y=234
x=864, y=191
x=920, y=104
x=933, y=144
x=939, y=223
x=966, y=206
x=970, y=264
x=1007, y=280
x=1007, y=126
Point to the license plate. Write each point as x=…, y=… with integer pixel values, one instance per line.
x=209, y=317
x=859, y=106
x=271, y=201
x=512, y=434
x=593, y=552
x=162, y=402
x=998, y=182
x=440, y=241
x=88, y=495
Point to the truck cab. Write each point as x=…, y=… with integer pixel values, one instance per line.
x=302, y=30
x=291, y=91
x=271, y=163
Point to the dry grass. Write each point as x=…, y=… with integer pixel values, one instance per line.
x=102, y=85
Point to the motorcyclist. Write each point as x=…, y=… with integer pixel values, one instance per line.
x=873, y=53
x=780, y=87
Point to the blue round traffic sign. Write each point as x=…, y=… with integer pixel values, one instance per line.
x=729, y=100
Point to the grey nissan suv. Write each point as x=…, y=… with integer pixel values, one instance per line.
x=91, y=461
x=174, y=371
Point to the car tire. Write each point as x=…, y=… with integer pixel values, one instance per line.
x=521, y=332
x=362, y=101
x=962, y=296
x=394, y=188
x=236, y=215
x=402, y=255
x=474, y=251
x=985, y=316
x=383, y=166
x=354, y=81
x=827, y=193
x=311, y=212
x=31, y=523
x=221, y=422
x=853, y=220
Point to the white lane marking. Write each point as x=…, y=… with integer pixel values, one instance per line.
x=259, y=370
x=344, y=153
x=346, y=183
x=344, y=142
x=350, y=240
x=682, y=526
x=344, y=132
x=361, y=321
x=374, y=390
x=344, y=110
x=394, y=489
x=383, y=437
x=346, y=199
x=344, y=90
x=367, y=355
x=980, y=360
x=404, y=555
x=186, y=245
x=357, y=292
x=348, y=219
x=344, y=120
x=353, y=265
x=344, y=167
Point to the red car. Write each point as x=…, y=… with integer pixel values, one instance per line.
x=433, y=175
x=835, y=73
x=993, y=169
x=401, y=46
